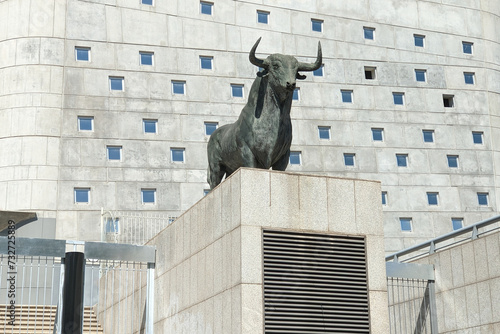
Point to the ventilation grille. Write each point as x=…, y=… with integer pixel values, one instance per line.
x=314, y=283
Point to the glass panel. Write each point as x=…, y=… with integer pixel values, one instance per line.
x=148, y=196
x=82, y=195
x=347, y=96
x=206, y=8
x=294, y=158
x=177, y=154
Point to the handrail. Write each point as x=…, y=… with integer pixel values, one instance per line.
x=432, y=244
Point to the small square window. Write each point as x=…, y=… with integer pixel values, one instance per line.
x=432, y=198
x=469, y=78
x=457, y=223
x=262, y=17
x=406, y=224
x=419, y=40
x=112, y=225
x=319, y=71
x=179, y=87
x=482, y=199
x=177, y=154
x=428, y=136
x=398, y=98
x=206, y=62
x=370, y=73
x=369, y=33
x=114, y=152
x=317, y=25
x=420, y=75
x=206, y=192
x=146, y=58
x=452, y=161
x=206, y=7
x=346, y=96
x=82, y=195
x=116, y=83
x=150, y=125
x=477, y=137
x=467, y=47
x=384, y=197
x=349, y=159
x=295, y=158
x=85, y=123
x=148, y=196
x=147, y=2
x=210, y=127
x=324, y=132
x=377, y=134
x=402, y=160
x=82, y=53
x=236, y=90
x=448, y=101
x=296, y=94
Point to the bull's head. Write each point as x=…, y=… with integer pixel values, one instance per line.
x=283, y=70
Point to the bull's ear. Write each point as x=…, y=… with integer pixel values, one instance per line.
x=300, y=76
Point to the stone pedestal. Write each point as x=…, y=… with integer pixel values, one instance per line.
x=209, y=272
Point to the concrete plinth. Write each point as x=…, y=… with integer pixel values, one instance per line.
x=209, y=272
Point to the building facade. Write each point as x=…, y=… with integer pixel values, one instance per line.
x=110, y=103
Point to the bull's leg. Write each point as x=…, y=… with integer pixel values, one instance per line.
x=214, y=175
x=282, y=163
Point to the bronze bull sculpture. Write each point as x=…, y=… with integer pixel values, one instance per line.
x=262, y=135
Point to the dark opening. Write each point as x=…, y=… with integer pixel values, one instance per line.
x=448, y=101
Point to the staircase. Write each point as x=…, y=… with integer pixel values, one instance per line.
x=39, y=319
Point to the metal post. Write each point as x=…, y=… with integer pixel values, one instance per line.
x=74, y=276
x=433, y=307
x=150, y=298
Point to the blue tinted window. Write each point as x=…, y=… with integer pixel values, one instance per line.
x=85, y=123
x=317, y=25
x=146, y=58
x=206, y=62
x=116, y=83
x=419, y=40
x=324, y=132
x=406, y=224
x=402, y=160
x=482, y=198
x=469, y=78
x=477, y=137
x=452, y=161
x=369, y=33
x=177, y=154
x=147, y=2
x=114, y=152
x=262, y=17
x=467, y=47
x=384, y=197
x=432, y=198
x=237, y=90
x=178, y=87
x=296, y=94
x=346, y=96
x=318, y=72
x=378, y=134
x=428, y=136
x=210, y=127
x=112, y=225
x=148, y=195
x=349, y=159
x=295, y=158
x=82, y=195
x=398, y=98
x=150, y=125
x=420, y=75
x=457, y=223
x=206, y=7
x=206, y=192
x=82, y=54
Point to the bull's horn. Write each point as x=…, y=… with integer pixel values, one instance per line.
x=314, y=66
x=254, y=60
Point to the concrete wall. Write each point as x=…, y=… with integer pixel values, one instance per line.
x=208, y=276
x=468, y=285
x=44, y=89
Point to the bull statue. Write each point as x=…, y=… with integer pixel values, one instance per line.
x=262, y=135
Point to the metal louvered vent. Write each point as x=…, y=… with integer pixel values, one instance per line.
x=314, y=283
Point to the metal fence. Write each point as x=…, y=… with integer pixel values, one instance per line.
x=412, y=299
x=135, y=228
x=32, y=281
